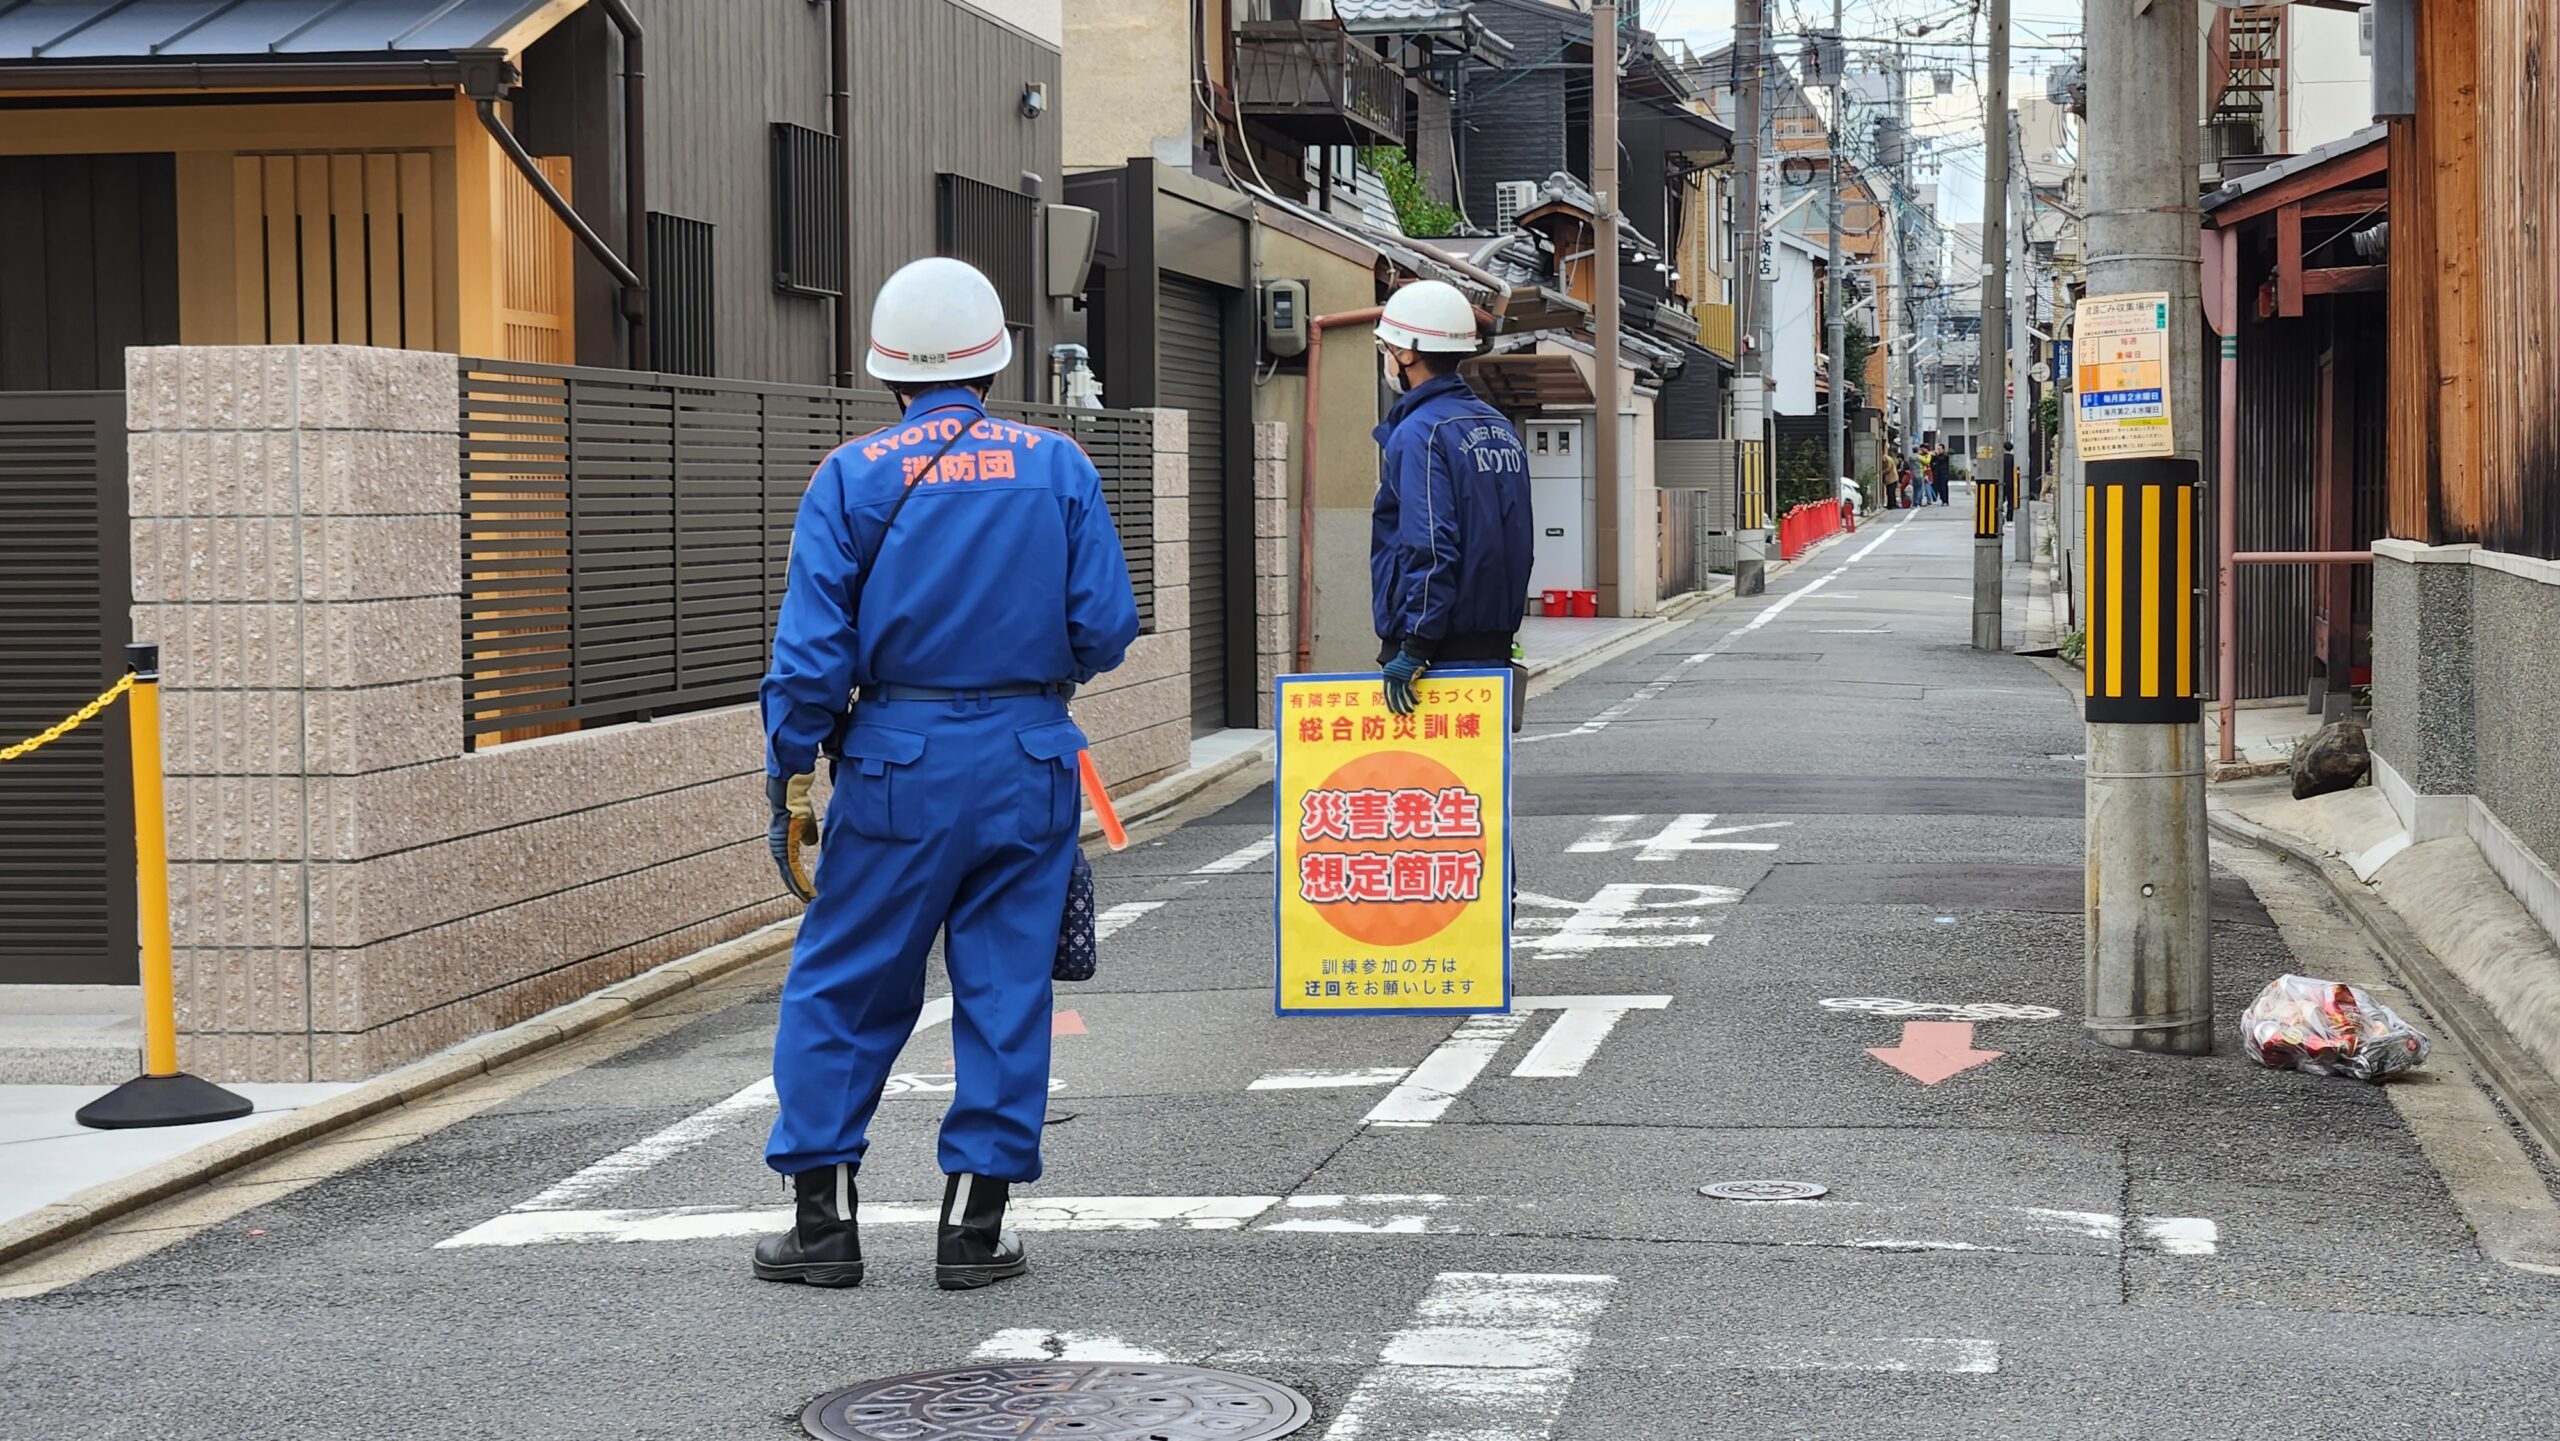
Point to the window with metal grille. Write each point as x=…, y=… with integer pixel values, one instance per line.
x=996, y=230
x=808, y=211
x=681, y=326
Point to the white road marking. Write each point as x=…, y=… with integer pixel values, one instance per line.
x=1691, y=832
x=699, y=1223
x=1328, y=1080
x=938, y=1083
x=1427, y=1090
x=1487, y=1357
x=1238, y=859
x=1115, y=920
x=1945, y=1356
x=1601, y=923
x=1656, y=686
x=1030, y=1343
x=1810, y=1224
x=1569, y=1044
x=1942, y=1010
x=594, y=1180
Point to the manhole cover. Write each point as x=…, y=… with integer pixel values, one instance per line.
x=1103, y=1401
x=1764, y=1190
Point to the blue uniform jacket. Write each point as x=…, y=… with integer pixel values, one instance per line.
x=1005, y=569
x=1450, y=536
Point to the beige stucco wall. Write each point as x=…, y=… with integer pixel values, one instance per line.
x=1346, y=461
x=350, y=888
x=1126, y=86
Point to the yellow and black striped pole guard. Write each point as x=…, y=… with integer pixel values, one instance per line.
x=1986, y=508
x=2142, y=572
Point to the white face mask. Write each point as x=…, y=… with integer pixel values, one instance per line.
x=1394, y=373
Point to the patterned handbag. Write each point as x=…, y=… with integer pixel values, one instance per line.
x=1076, y=949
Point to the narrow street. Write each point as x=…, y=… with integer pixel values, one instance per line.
x=1805, y=828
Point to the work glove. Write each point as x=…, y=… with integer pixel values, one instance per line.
x=795, y=824
x=1401, y=674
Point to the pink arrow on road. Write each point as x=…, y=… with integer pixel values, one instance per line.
x=1931, y=1051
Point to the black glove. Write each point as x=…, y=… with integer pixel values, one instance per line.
x=1401, y=674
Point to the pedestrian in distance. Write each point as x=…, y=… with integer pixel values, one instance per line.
x=939, y=697
x=1450, y=536
x=1941, y=474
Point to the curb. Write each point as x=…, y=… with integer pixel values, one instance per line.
x=2520, y=1082
x=64, y=1219
x=1154, y=800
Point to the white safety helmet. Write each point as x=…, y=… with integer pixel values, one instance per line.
x=937, y=321
x=1428, y=315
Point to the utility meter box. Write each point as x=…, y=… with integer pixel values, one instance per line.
x=1559, y=503
x=1284, y=317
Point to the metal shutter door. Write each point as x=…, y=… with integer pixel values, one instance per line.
x=1192, y=370
x=66, y=813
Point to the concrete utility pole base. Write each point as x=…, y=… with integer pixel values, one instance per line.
x=2150, y=982
x=1986, y=592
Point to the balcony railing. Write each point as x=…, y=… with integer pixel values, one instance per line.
x=1317, y=85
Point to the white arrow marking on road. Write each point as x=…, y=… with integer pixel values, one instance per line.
x=1490, y=1357
x=1685, y=834
x=650, y=1150
x=1575, y=1038
x=1598, y=924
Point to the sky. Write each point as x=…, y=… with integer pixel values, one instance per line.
x=2043, y=34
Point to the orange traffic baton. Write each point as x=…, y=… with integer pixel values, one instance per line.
x=1112, y=831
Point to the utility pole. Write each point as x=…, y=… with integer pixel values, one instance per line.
x=2150, y=962
x=1835, y=294
x=1990, y=346
x=1751, y=386
x=2021, y=310
x=1604, y=303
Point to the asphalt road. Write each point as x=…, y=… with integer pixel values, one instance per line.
x=1822, y=817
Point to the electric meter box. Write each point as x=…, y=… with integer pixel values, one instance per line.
x=1284, y=317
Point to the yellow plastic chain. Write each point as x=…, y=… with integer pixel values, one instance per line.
x=83, y=714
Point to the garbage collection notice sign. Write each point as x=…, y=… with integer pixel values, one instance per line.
x=1394, y=845
x=2121, y=344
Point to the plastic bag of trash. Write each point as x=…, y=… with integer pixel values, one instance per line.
x=2329, y=1028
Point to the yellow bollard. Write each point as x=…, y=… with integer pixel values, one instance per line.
x=162, y=1095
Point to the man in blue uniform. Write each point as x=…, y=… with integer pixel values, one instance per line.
x=963, y=573
x=1450, y=538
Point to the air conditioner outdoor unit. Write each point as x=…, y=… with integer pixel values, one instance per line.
x=1510, y=199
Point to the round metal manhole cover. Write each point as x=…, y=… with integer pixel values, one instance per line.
x=1060, y=1401
x=1764, y=1190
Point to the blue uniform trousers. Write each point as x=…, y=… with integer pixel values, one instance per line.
x=954, y=816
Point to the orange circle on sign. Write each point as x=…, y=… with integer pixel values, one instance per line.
x=1393, y=923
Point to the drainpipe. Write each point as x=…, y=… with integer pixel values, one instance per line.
x=487, y=76
x=2226, y=623
x=840, y=118
x=635, y=179
x=1366, y=315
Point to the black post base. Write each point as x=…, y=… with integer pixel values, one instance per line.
x=179, y=1100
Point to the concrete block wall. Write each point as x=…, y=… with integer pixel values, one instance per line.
x=1137, y=719
x=1275, y=566
x=350, y=888
x=2466, y=722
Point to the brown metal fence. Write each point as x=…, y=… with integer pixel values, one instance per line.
x=66, y=811
x=625, y=535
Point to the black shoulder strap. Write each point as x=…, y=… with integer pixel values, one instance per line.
x=862, y=577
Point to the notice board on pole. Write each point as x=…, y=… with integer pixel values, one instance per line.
x=2121, y=345
x=1394, y=845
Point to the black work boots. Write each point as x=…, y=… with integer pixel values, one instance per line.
x=821, y=1248
x=975, y=1248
